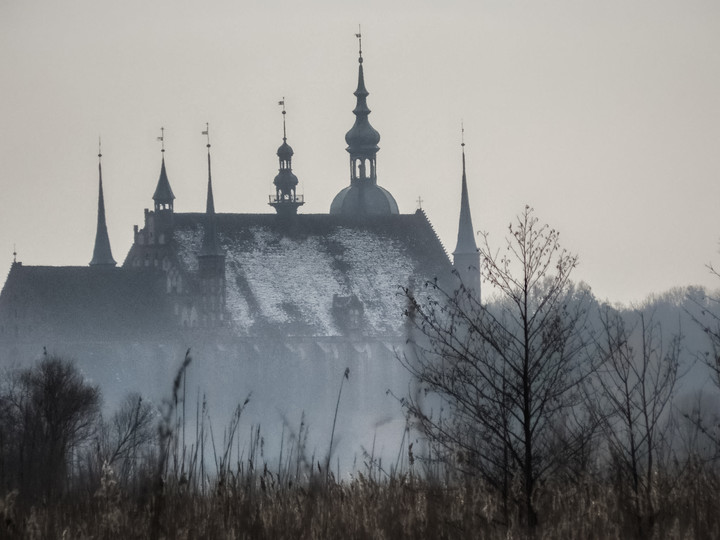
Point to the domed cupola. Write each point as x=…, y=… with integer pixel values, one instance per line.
x=285, y=152
x=285, y=201
x=364, y=196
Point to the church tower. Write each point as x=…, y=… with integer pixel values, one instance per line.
x=211, y=260
x=364, y=196
x=466, y=258
x=102, y=255
x=286, y=201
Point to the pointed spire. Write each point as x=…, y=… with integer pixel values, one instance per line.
x=364, y=197
x=466, y=257
x=163, y=195
x=102, y=255
x=210, y=243
x=466, y=233
x=362, y=139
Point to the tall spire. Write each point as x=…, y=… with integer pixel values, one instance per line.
x=210, y=243
x=466, y=233
x=466, y=257
x=163, y=195
x=211, y=260
x=102, y=255
x=364, y=197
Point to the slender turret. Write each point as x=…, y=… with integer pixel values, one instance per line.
x=211, y=259
x=466, y=258
x=286, y=201
x=102, y=255
x=163, y=219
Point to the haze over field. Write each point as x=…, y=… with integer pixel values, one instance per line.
x=604, y=116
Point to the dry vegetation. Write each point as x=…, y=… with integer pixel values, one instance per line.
x=158, y=488
x=257, y=505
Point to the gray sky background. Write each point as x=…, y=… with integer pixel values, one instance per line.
x=602, y=115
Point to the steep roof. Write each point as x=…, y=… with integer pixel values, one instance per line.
x=102, y=254
x=163, y=191
x=466, y=232
x=69, y=303
x=283, y=275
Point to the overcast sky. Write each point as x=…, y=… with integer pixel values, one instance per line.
x=602, y=115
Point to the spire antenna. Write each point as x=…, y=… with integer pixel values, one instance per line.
x=282, y=103
x=210, y=201
x=161, y=138
x=14, y=253
x=359, y=37
x=207, y=133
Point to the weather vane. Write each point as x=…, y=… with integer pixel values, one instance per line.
x=99, y=147
x=282, y=103
x=207, y=132
x=359, y=36
x=161, y=138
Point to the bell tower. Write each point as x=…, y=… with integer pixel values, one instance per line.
x=163, y=198
x=364, y=197
x=286, y=201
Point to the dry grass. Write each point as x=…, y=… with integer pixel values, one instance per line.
x=258, y=505
x=171, y=494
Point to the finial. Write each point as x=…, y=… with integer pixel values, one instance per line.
x=359, y=36
x=161, y=138
x=419, y=201
x=207, y=132
x=462, y=144
x=282, y=102
x=14, y=253
x=99, y=147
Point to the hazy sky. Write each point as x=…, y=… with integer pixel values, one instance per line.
x=602, y=115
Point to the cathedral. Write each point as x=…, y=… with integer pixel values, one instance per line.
x=267, y=292
x=283, y=274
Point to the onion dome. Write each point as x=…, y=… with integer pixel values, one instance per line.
x=362, y=137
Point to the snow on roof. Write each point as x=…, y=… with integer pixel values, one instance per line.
x=282, y=276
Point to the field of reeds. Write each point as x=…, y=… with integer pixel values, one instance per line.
x=142, y=476
x=250, y=503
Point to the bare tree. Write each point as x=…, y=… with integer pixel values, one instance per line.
x=52, y=411
x=130, y=433
x=630, y=397
x=497, y=381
